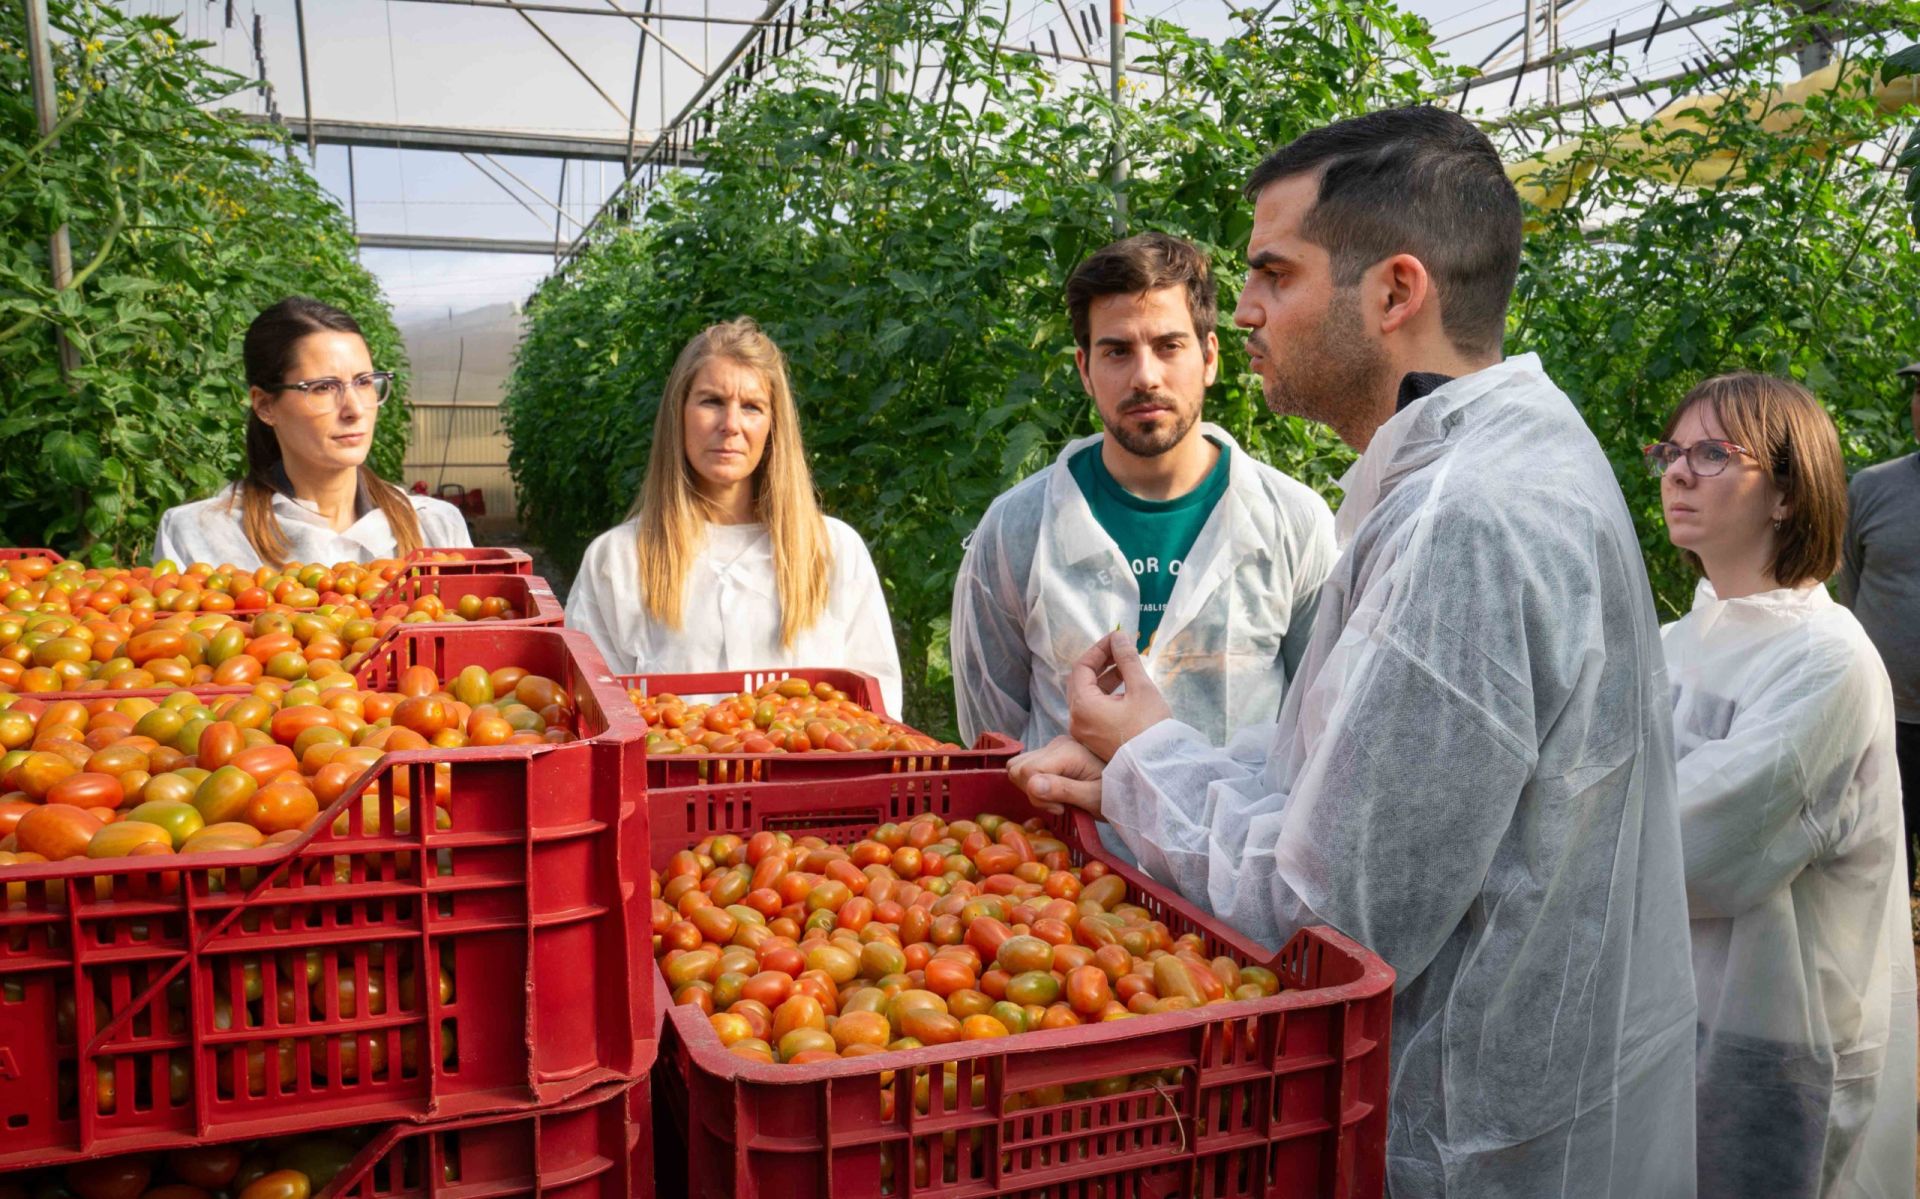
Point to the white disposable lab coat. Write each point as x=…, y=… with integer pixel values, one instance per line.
x=1042, y=581
x=211, y=531
x=1796, y=869
x=1473, y=777
x=730, y=614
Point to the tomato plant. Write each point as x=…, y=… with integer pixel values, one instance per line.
x=914, y=277
x=1788, y=261
x=184, y=226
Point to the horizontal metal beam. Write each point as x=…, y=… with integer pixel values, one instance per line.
x=453, y=140
x=573, y=10
x=464, y=245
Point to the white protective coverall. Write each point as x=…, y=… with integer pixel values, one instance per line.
x=1042, y=581
x=1796, y=870
x=1473, y=777
x=730, y=616
x=211, y=531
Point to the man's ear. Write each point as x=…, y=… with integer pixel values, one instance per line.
x=1080, y=364
x=1406, y=292
x=1211, y=348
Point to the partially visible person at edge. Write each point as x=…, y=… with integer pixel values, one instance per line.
x=1789, y=811
x=726, y=562
x=1879, y=580
x=1160, y=526
x=308, y=494
x=1473, y=772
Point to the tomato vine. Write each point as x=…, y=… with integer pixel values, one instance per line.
x=184, y=225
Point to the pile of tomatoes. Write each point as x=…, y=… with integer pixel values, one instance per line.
x=789, y=716
x=42, y=584
x=289, y=1168
x=41, y=652
x=920, y=934
x=110, y=778
x=54, y=648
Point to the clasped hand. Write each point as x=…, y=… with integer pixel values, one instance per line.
x=1111, y=700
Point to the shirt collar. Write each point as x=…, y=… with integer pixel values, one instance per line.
x=1415, y=384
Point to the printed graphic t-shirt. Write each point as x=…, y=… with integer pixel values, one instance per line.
x=1153, y=535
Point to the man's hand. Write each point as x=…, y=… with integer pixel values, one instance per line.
x=1111, y=699
x=1060, y=772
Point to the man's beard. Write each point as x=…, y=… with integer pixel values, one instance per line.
x=1330, y=376
x=1152, y=442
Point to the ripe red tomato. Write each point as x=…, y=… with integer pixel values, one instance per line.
x=210, y=1166
x=111, y=1178
x=56, y=831
x=87, y=790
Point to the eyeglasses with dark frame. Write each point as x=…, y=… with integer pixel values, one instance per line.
x=1706, y=457
x=327, y=393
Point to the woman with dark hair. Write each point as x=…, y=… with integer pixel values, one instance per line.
x=307, y=494
x=1789, y=811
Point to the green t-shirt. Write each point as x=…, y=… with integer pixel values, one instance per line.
x=1153, y=535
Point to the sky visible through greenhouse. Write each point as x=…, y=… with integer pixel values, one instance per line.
x=441, y=63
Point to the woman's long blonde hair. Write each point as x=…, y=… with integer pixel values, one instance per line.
x=673, y=514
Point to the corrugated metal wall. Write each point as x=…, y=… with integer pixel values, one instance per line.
x=464, y=444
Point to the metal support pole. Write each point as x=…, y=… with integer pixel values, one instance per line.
x=1072, y=29
x=1117, y=67
x=306, y=86
x=1553, y=51
x=353, y=198
x=46, y=111
x=558, y=210
x=633, y=114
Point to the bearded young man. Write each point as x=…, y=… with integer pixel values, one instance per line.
x=1161, y=526
x=1473, y=774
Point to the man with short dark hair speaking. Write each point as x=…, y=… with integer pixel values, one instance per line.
x=1473, y=773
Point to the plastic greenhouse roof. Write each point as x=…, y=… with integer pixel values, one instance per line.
x=486, y=131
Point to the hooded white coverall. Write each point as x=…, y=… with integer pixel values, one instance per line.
x=1473, y=777
x=1042, y=581
x=1796, y=872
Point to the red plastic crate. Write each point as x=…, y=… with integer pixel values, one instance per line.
x=472, y=560
x=598, y=1146
x=15, y=553
x=1285, y=1096
x=527, y=899
x=992, y=752
x=529, y=595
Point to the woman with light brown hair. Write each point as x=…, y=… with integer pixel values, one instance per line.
x=726, y=561
x=307, y=494
x=1790, y=817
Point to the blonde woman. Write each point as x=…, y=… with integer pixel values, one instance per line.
x=727, y=562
